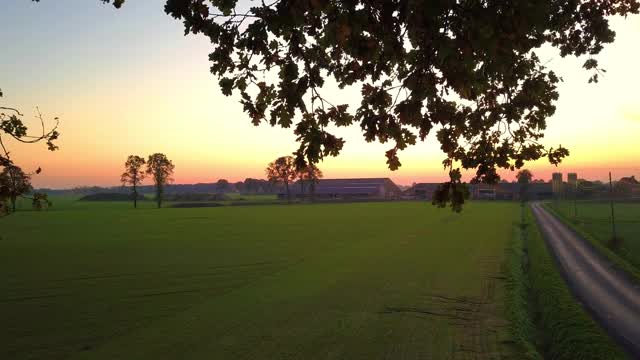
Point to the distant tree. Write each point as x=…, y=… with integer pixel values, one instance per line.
x=270, y=187
x=309, y=175
x=222, y=186
x=251, y=185
x=524, y=177
x=134, y=175
x=14, y=183
x=40, y=201
x=240, y=187
x=160, y=168
x=283, y=170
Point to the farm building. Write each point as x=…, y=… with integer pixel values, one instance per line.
x=422, y=191
x=374, y=188
x=628, y=186
x=510, y=191
x=501, y=191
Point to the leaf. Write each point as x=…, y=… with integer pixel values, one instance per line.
x=226, y=85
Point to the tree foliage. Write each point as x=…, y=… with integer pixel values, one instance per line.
x=133, y=175
x=309, y=175
x=466, y=70
x=14, y=183
x=12, y=126
x=283, y=170
x=258, y=186
x=40, y=201
x=223, y=186
x=453, y=193
x=160, y=168
x=524, y=178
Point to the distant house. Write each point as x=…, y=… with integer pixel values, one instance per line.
x=628, y=186
x=373, y=188
x=630, y=180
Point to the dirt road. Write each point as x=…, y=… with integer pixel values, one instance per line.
x=611, y=298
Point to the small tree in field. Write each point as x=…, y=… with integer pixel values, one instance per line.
x=160, y=168
x=40, y=201
x=524, y=177
x=283, y=170
x=14, y=183
x=309, y=174
x=133, y=175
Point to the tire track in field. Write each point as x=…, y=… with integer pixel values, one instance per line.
x=477, y=319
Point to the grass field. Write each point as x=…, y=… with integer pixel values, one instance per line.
x=341, y=281
x=70, y=202
x=594, y=217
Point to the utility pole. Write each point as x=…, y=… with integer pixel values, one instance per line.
x=613, y=214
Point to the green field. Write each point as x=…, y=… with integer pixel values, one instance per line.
x=70, y=202
x=340, y=281
x=594, y=217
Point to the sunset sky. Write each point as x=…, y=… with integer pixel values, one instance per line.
x=128, y=82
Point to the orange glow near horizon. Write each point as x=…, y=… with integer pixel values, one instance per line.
x=122, y=89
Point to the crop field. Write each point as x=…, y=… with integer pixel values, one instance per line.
x=337, y=281
x=595, y=218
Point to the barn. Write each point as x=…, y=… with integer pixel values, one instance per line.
x=510, y=191
x=347, y=189
x=423, y=191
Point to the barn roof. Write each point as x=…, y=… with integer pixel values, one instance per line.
x=362, y=186
x=629, y=180
x=515, y=187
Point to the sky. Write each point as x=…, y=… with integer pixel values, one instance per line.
x=129, y=82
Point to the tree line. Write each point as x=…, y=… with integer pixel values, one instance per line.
x=282, y=171
x=285, y=171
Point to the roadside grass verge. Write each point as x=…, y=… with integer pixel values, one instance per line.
x=564, y=329
x=517, y=304
x=616, y=259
